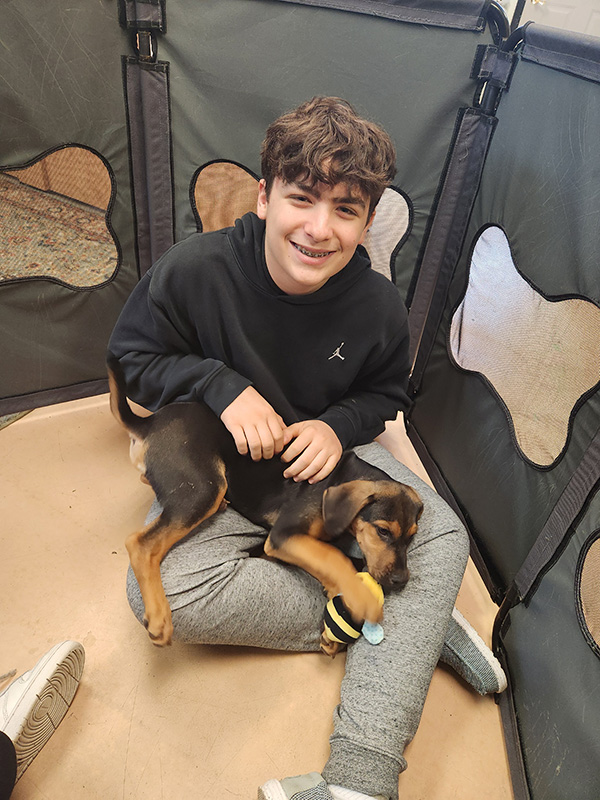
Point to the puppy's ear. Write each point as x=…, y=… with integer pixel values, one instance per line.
x=413, y=509
x=342, y=503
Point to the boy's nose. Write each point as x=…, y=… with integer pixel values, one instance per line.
x=318, y=226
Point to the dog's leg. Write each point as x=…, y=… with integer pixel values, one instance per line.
x=331, y=568
x=146, y=549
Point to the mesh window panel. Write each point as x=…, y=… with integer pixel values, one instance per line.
x=541, y=355
x=588, y=598
x=222, y=192
x=391, y=226
x=54, y=220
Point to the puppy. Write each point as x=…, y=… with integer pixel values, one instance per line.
x=190, y=460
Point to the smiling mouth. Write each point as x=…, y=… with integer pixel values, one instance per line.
x=312, y=253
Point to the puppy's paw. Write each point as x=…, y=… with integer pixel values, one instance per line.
x=160, y=628
x=361, y=602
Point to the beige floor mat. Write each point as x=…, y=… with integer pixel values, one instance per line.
x=186, y=723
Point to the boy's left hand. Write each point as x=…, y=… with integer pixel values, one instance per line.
x=316, y=449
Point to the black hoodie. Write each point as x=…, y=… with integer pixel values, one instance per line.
x=207, y=321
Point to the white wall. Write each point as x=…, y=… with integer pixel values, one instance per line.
x=573, y=15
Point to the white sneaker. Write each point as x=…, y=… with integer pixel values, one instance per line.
x=308, y=787
x=33, y=705
x=466, y=652
x=301, y=787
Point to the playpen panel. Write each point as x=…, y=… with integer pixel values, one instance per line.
x=67, y=235
x=240, y=64
x=232, y=66
x=554, y=665
x=509, y=399
x=509, y=407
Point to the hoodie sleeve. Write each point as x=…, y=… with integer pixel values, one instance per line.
x=157, y=346
x=377, y=394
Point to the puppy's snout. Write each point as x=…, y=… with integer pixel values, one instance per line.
x=399, y=579
x=394, y=580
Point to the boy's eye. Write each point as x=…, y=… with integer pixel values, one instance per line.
x=347, y=211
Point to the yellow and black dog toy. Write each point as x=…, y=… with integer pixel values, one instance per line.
x=339, y=625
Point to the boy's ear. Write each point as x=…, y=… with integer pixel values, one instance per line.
x=367, y=226
x=262, y=201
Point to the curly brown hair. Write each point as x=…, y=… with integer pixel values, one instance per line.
x=325, y=141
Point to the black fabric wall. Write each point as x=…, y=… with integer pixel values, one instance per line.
x=532, y=517
x=214, y=76
x=61, y=85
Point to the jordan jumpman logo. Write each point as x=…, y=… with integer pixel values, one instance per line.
x=336, y=352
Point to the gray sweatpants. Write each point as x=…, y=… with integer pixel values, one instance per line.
x=220, y=595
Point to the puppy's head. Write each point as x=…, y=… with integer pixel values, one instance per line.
x=382, y=515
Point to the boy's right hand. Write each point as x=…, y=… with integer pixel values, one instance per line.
x=255, y=425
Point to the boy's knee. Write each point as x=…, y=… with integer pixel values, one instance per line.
x=463, y=541
x=461, y=547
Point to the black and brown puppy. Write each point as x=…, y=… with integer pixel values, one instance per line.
x=189, y=458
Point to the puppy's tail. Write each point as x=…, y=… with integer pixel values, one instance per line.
x=119, y=405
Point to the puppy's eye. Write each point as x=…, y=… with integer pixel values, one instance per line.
x=384, y=533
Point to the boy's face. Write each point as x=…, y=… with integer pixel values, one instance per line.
x=311, y=232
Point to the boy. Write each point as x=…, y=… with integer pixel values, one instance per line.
x=235, y=321
x=282, y=328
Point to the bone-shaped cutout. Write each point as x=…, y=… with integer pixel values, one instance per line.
x=389, y=227
x=540, y=355
x=589, y=597
x=224, y=191
x=53, y=219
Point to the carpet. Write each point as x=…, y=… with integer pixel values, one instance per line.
x=46, y=235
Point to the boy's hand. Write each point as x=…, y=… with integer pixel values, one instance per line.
x=255, y=425
x=316, y=449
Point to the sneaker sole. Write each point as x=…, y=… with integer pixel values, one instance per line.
x=272, y=790
x=51, y=689
x=485, y=651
